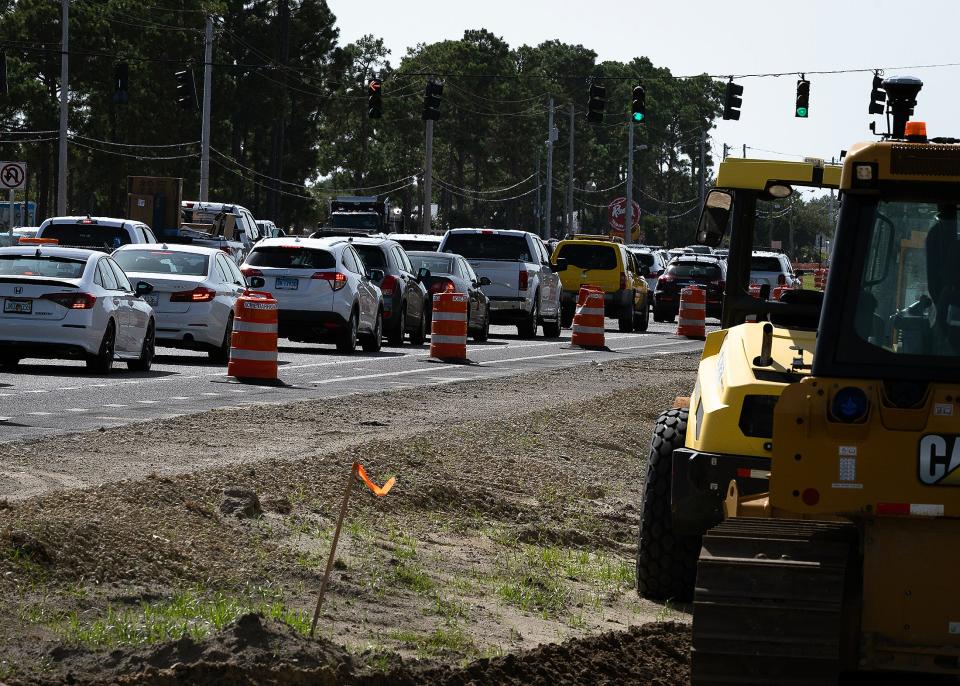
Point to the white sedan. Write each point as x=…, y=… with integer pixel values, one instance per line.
x=194, y=293
x=72, y=303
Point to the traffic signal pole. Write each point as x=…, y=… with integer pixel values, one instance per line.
x=570, y=176
x=205, y=126
x=427, y=213
x=548, y=209
x=628, y=220
x=64, y=106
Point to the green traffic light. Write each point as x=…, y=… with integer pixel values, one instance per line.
x=801, y=111
x=638, y=116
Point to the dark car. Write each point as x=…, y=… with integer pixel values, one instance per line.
x=453, y=274
x=405, y=299
x=705, y=271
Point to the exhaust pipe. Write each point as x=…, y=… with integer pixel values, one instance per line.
x=766, y=347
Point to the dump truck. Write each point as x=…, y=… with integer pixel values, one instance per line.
x=805, y=496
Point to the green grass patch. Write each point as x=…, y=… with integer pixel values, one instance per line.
x=442, y=640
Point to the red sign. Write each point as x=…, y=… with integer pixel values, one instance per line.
x=617, y=215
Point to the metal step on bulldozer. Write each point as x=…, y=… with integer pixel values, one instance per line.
x=807, y=497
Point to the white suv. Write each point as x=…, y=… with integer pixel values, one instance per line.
x=324, y=291
x=773, y=269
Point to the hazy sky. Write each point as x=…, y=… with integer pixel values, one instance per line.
x=739, y=37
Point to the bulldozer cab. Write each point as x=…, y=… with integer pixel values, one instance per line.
x=743, y=185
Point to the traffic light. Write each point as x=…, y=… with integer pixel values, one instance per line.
x=374, y=99
x=431, y=100
x=186, y=90
x=803, y=99
x=732, y=100
x=121, y=78
x=596, y=103
x=878, y=96
x=639, y=107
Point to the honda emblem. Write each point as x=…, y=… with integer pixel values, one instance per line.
x=17, y=290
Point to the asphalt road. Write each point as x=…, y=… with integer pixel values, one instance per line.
x=45, y=397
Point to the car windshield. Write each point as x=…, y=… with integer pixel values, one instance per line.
x=694, y=270
x=413, y=244
x=162, y=262
x=765, y=264
x=291, y=257
x=586, y=256
x=42, y=265
x=909, y=299
x=372, y=256
x=88, y=235
x=488, y=246
x=354, y=220
x=436, y=265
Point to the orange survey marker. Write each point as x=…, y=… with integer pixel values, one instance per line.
x=588, y=319
x=377, y=490
x=253, y=345
x=693, y=311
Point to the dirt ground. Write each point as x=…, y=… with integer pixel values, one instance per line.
x=195, y=551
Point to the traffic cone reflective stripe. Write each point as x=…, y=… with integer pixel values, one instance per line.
x=253, y=343
x=259, y=355
x=587, y=330
x=448, y=330
x=693, y=309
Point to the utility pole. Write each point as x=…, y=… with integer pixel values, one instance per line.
x=744, y=151
x=427, y=214
x=726, y=150
x=537, y=208
x=280, y=120
x=205, y=124
x=551, y=137
x=64, y=105
x=628, y=220
x=570, y=177
x=703, y=164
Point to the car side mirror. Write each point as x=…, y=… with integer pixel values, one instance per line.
x=257, y=282
x=560, y=266
x=423, y=274
x=376, y=275
x=143, y=288
x=484, y=281
x=714, y=218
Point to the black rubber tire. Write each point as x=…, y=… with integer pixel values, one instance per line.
x=661, y=316
x=483, y=333
x=625, y=320
x=147, y=351
x=641, y=322
x=552, y=329
x=347, y=337
x=397, y=333
x=420, y=335
x=528, y=327
x=102, y=362
x=666, y=562
x=221, y=355
x=372, y=342
x=566, y=316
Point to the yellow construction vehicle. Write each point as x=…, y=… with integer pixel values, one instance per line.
x=807, y=499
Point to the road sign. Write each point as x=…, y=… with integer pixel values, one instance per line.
x=617, y=215
x=13, y=176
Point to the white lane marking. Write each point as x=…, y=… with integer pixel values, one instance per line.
x=76, y=409
x=37, y=390
x=178, y=397
x=118, y=419
x=147, y=402
x=5, y=419
x=212, y=395
x=118, y=405
x=40, y=414
x=70, y=388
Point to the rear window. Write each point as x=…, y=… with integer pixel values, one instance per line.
x=643, y=258
x=589, y=256
x=292, y=257
x=427, y=246
x=765, y=264
x=162, y=262
x=354, y=221
x=372, y=256
x=436, y=265
x=44, y=265
x=488, y=246
x=696, y=270
x=88, y=235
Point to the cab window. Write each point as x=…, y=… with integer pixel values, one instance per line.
x=586, y=256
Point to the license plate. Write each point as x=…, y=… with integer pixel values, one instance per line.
x=288, y=284
x=152, y=300
x=12, y=306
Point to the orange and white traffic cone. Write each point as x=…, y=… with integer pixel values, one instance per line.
x=253, y=344
x=448, y=330
x=693, y=312
x=589, y=318
x=779, y=291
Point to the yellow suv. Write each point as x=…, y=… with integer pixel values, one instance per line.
x=606, y=263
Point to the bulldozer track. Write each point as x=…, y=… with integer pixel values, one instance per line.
x=769, y=602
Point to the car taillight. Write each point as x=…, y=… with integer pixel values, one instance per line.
x=337, y=280
x=442, y=286
x=72, y=301
x=389, y=284
x=524, y=279
x=250, y=271
x=623, y=281
x=781, y=280
x=200, y=294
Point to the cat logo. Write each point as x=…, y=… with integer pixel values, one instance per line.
x=939, y=460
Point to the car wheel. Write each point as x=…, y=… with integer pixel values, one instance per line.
x=395, y=338
x=347, y=338
x=642, y=321
x=551, y=329
x=102, y=362
x=483, y=333
x=145, y=361
x=374, y=341
x=420, y=335
x=528, y=328
x=625, y=322
x=221, y=355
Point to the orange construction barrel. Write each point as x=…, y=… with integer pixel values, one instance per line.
x=693, y=312
x=589, y=318
x=448, y=330
x=253, y=345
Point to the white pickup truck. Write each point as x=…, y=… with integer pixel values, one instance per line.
x=96, y=233
x=524, y=288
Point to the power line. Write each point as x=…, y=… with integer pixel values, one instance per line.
x=441, y=185
x=485, y=192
